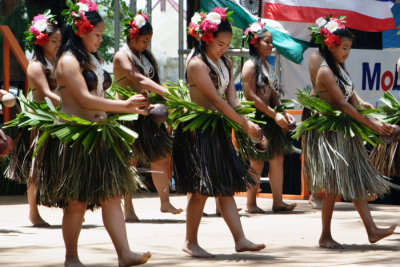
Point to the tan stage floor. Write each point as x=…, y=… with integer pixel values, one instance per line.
x=291, y=238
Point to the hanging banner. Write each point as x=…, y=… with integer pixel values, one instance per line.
x=373, y=72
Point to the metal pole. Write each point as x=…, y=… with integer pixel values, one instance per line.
x=180, y=44
x=278, y=66
x=132, y=6
x=149, y=9
x=117, y=31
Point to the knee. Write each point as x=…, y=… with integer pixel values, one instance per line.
x=198, y=198
x=76, y=207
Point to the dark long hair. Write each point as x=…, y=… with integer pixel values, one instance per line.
x=144, y=30
x=73, y=42
x=38, y=52
x=327, y=55
x=200, y=49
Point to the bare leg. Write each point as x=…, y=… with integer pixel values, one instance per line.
x=71, y=228
x=113, y=219
x=255, y=170
x=129, y=210
x=326, y=239
x=232, y=219
x=34, y=215
x=194, y=212
x=276, y=182
x=161, y=181
x=374, y=233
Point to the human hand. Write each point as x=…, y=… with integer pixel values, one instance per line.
x=253, y=130
x=281, y=121
x=381, y=127
x=138, y=104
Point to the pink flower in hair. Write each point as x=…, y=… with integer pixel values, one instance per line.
x=221, y=11
x=207, y=26
x=39, y=17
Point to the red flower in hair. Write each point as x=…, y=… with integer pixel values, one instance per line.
x=83, y=25
x=325, y=32
x=42, y=39
x=207, y=26
x=254, y=40
x=208, y=37
x=333, y=40
x=134, y=32
x=192, y=30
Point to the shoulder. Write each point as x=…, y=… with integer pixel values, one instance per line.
x=196, y=63
x=315, y=60
x=249, y=65
x=325, y=73
x=35, y=67
x=68, y=63
x=120, y=55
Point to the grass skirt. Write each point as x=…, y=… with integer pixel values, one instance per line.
x=279, y=142
x=21, y=156
x=72, y=174
x=338, y=164
x=154, y=142
x=206, y=163
x=386, y=158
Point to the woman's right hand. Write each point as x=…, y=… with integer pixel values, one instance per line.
x=253, y=130
x=138, y=104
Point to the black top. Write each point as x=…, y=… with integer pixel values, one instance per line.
x=91, y=79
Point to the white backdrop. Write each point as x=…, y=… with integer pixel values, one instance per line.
x=372, y=72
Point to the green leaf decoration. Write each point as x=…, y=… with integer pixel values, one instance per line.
x=327, y=118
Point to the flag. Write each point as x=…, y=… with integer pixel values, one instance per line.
x=286, y=45
x=364, y=15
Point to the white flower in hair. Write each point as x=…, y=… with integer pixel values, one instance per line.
x=83, y=7
x=332, y=26
x=255, y=27
x=196, y=18
x=321, y=22
x=214, y=17
x=41, y=25
x=140, y=20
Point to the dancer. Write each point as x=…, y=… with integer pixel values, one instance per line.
x=205, y=163
x=45, y=36
x=261, y=85
x=335, y=163
x=72, y=177
x=136, y=69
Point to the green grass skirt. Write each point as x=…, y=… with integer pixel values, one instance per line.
x=206, y=163
x=279, y=141
x=339, y=165
x=71, y=174
x=153, y=143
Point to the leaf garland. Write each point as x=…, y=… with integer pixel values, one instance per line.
x=183, y=110
x=72, y=129
x=391, y=110
x=327, y=118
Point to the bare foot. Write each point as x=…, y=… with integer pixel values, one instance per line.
x=329, y=243
x=132, y=259
x=169, y=208
x=37, y=221
x=254, y=209
x=73, y=263
x=247, y=245
x=380, y=233
x=196, y=251
x=130, y=214
x=283, y=207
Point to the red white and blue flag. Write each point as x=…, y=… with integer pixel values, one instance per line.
x=296, y=15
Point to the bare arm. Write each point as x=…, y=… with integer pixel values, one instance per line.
x=198, y=74
x=335, y=97
x=125, y=66
x=69, y=74
x=250, y=92
x=38, y=81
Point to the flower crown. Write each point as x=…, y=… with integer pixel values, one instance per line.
x=76, y=17
x=37, y=31
x=203, y=25
x=324, y=31
x=250, y=34
x=134, y=23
